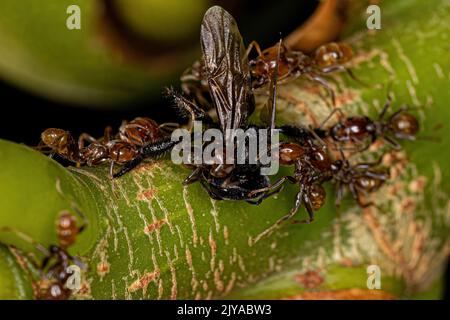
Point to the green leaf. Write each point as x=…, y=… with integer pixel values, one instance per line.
x=88, y=66
x=149, y=237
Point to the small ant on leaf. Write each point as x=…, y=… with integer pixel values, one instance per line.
x=53, y=269
x=362, y=131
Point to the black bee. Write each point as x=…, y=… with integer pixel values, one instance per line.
x=227, y=73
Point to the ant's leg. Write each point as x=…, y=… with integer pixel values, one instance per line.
x=309, y=210
x=385, y=107
x=383, y=176
x=368, y=165
x=297, y=204
x=84, y=220
x=107, y=134
x=357, y=198
x=85, y=137
x=252, y=45
x=42, y=147
x=332, y=113
x=79, y=263
x=316, y=136
x=342, y=68
x=211, y=194
x=394, y=144
x=339, y=194
x=324, y=83
x=279, y=222
x=111, y=170
x=273, y=186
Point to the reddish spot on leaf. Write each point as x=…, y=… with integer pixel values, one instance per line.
x=102, y=268
x=309, y=279
x=147, y=194
x=153, y=226
x=144, y=281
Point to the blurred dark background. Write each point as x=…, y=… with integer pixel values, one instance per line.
x=26, y=115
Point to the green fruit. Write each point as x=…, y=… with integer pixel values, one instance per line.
x=40, y=54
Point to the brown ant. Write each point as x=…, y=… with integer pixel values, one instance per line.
x=363, y=131
x=60, y=142
x=53, y=269
x=362, y=177
x=115, y=151
x=312, y=167
x=328, y=58
x=142, y=131
x=130, y=143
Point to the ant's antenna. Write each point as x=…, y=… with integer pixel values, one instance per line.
x=274, y=86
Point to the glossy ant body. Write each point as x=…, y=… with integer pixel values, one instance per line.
x=60, y=142
x=363, y=177
x=130, y=143
x=362, y=131
x=312, y=167
x=328, y=58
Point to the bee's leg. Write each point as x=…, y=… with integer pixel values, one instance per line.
x=267, y=195
x=272, y=187
x=192, y=177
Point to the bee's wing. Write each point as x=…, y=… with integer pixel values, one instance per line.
x=226, y=68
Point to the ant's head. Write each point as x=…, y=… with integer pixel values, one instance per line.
x=289, y=153
x=404, y=125
x=333, y=54
x=266, y=63
x=54, y=137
